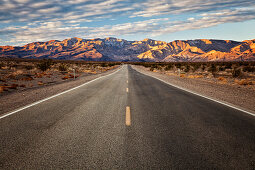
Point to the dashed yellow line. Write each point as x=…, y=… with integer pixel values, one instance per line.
x=127, y=90
x=128, y=116
x=127, y=81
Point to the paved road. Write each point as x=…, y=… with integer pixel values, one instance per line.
x=87, y=129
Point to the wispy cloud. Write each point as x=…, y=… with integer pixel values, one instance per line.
x=152, y=8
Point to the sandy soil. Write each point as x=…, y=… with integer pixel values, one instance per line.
x=19, y=97
x=238, y=95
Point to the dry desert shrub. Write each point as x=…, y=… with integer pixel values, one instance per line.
x=40, y=83
x=13, y=86
x=22, y=85
x=62, y=67
x=222, y=68
x=29, y=67
x=4, y=87
x=65, y=77
x=182, y=75
x=37, y=75
x=18, y=72
x=40, y=75
x=13, y=75
x=45, y=64
x=248, y=69
x=213, y=70
x=222, y=80
x=10, y=76
x=2, y=80
x=27, y=78
x=236, y=72
x=1, y=65
x=196, y=67
x=187, y=68
x=203, y=67
x=168, y=67
x=72, y=76
x=244, y=82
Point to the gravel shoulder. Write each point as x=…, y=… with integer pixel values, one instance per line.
x=240, y=96
x=20, y=98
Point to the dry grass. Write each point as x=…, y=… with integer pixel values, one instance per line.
x=90, y=71
x=244, y=82
x=170, y=74
x=195, y=76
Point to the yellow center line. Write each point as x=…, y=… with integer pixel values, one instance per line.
x=128, y=116
x=127, y=90
x=127, y=81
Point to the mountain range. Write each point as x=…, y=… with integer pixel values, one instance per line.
x=113, y=49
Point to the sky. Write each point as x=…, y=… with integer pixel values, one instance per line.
x=26, y=21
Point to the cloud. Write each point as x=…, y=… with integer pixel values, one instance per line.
x=49, y=10
x=17, y=11
x=154, y=8
x=206, y=20
x=39, y=4
x=90, y=9
x=59, y=19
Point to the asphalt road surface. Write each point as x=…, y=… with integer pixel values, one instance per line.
x=127, y=120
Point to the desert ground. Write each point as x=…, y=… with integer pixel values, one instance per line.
x=18, y=75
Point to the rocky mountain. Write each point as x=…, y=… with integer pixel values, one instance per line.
x=113, y=49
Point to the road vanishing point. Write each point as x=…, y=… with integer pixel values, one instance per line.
x=127, y=120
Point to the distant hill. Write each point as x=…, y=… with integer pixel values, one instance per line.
x=113, y=49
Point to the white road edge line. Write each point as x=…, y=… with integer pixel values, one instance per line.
x=184, y=89
x=48, y=98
